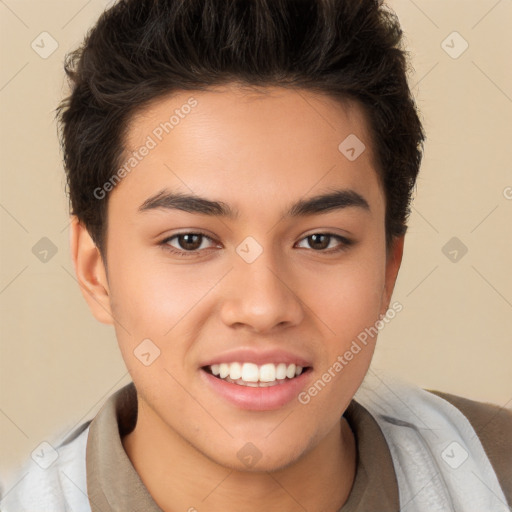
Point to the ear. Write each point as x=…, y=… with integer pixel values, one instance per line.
x=393, y=261
x=90, y=272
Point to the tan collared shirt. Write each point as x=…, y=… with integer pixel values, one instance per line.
x=114, y=485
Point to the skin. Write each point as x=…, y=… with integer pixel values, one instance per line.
x=258, y=151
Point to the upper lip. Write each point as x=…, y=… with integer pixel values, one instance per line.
x=259, y=357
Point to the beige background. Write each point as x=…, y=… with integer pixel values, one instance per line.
x=454, y=334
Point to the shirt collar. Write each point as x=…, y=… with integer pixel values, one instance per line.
x=113, y=484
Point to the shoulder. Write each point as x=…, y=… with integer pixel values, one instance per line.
x=493, y=426
x=53, y=479
x=423, y=428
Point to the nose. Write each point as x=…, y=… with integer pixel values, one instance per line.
x=261, y=296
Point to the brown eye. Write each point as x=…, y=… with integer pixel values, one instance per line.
x=190, y=241
x=323, y=242
x=319, y=241
x=183, y=243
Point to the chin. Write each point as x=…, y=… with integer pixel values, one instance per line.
x=263, y=465
x=258, y=457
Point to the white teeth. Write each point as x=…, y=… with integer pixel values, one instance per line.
x=281, y=371
x=290, y=371
x=253, y=375
x=223, y=370
x=250, y=372
x=235, y=371
x=268, y=373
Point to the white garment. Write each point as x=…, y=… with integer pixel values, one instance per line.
x=61, y=487
x=439, y=461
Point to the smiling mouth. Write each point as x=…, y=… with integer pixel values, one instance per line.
x=253, y=375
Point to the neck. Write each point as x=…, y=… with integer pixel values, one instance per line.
x=318, y=481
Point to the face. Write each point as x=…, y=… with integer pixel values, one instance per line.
x=267, y=272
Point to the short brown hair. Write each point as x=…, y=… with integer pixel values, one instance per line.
x=140, y=50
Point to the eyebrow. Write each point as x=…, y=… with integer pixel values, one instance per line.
x=333, y=200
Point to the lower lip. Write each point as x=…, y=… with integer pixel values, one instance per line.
x=257, y=399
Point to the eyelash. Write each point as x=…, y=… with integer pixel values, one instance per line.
x=344, y=243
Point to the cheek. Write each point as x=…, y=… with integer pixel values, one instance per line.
x=348, y=308
x=347, y=302
x=161, y=302
x=151, y=293
x=347, y=298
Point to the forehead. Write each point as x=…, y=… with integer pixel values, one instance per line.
x=239, y=142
